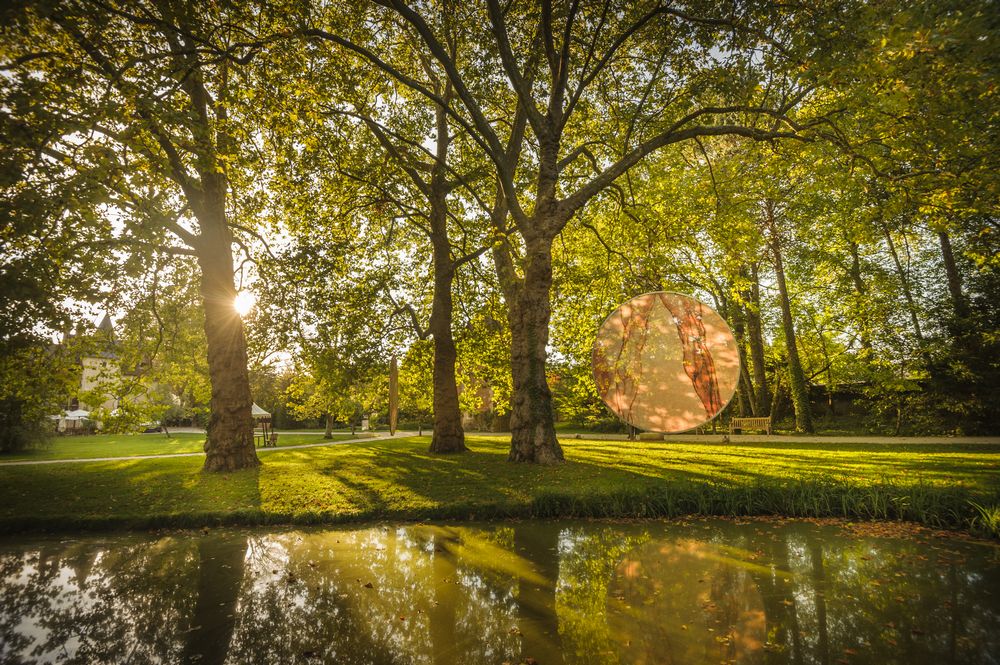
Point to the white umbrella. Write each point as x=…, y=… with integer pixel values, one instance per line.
x=258, y=412
x=79, y=414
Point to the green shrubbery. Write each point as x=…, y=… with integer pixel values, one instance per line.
x=33, y=386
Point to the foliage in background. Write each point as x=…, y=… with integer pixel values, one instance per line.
x=35, y=379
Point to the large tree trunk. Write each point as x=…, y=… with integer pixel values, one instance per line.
x=449, y=436
x=796, y=377
x=532, y=419
x=229, y=444
x=755, y=335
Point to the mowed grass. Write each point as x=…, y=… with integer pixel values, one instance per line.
x=125, y=445
x=399, y=479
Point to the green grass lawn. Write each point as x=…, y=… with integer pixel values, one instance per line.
x=124, y=445
x=399, y=479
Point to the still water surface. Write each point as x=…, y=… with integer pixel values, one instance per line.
x=545, y=592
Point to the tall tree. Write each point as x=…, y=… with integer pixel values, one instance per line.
x=584, y=113
x=422, y=166
x=143, y=98
x=796, y=375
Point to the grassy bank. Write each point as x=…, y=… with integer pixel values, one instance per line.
x=398, y=479
x=124, y=445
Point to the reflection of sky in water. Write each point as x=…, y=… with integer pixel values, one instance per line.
x=652, y=358
x=707, y=592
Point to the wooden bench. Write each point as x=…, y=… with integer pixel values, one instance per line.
x=750, y=423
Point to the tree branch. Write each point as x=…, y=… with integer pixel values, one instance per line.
x=486, y=137
x=134, y=242
x=610, y=174
x=587, y=78
x=521, y=86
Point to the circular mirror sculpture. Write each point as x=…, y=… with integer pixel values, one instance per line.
x=664, y=362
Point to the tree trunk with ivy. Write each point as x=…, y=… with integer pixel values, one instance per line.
x=958, y=301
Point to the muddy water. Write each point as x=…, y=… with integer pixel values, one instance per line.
x=552, y=592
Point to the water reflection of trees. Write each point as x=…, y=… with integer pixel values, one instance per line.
x=96, y=602
x=420, y=595
x=580, y=593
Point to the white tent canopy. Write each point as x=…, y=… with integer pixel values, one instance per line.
x=71, y=420
x=258, y=412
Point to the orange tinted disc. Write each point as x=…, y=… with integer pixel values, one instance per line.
x=665, y=362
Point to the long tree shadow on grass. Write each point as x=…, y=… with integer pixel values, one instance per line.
x=973, y=464
x=399, y=479
x=132, y=494
x=403, y=481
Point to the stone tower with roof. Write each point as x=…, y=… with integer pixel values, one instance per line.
x=100, y=372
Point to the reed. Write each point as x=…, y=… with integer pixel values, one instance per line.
x=986, y=521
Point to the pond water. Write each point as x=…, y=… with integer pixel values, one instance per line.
x=545, y=592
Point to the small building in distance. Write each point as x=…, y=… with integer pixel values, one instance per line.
x=103, y=383
x=100, y=371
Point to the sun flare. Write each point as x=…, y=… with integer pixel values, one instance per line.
x=244, y=302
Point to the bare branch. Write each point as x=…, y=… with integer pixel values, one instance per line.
x=407, y=308
x=587, y=78
x=471, y=256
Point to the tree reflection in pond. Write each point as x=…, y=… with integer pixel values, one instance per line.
x=706, y=592
x=116, y=600
x=683, y=601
